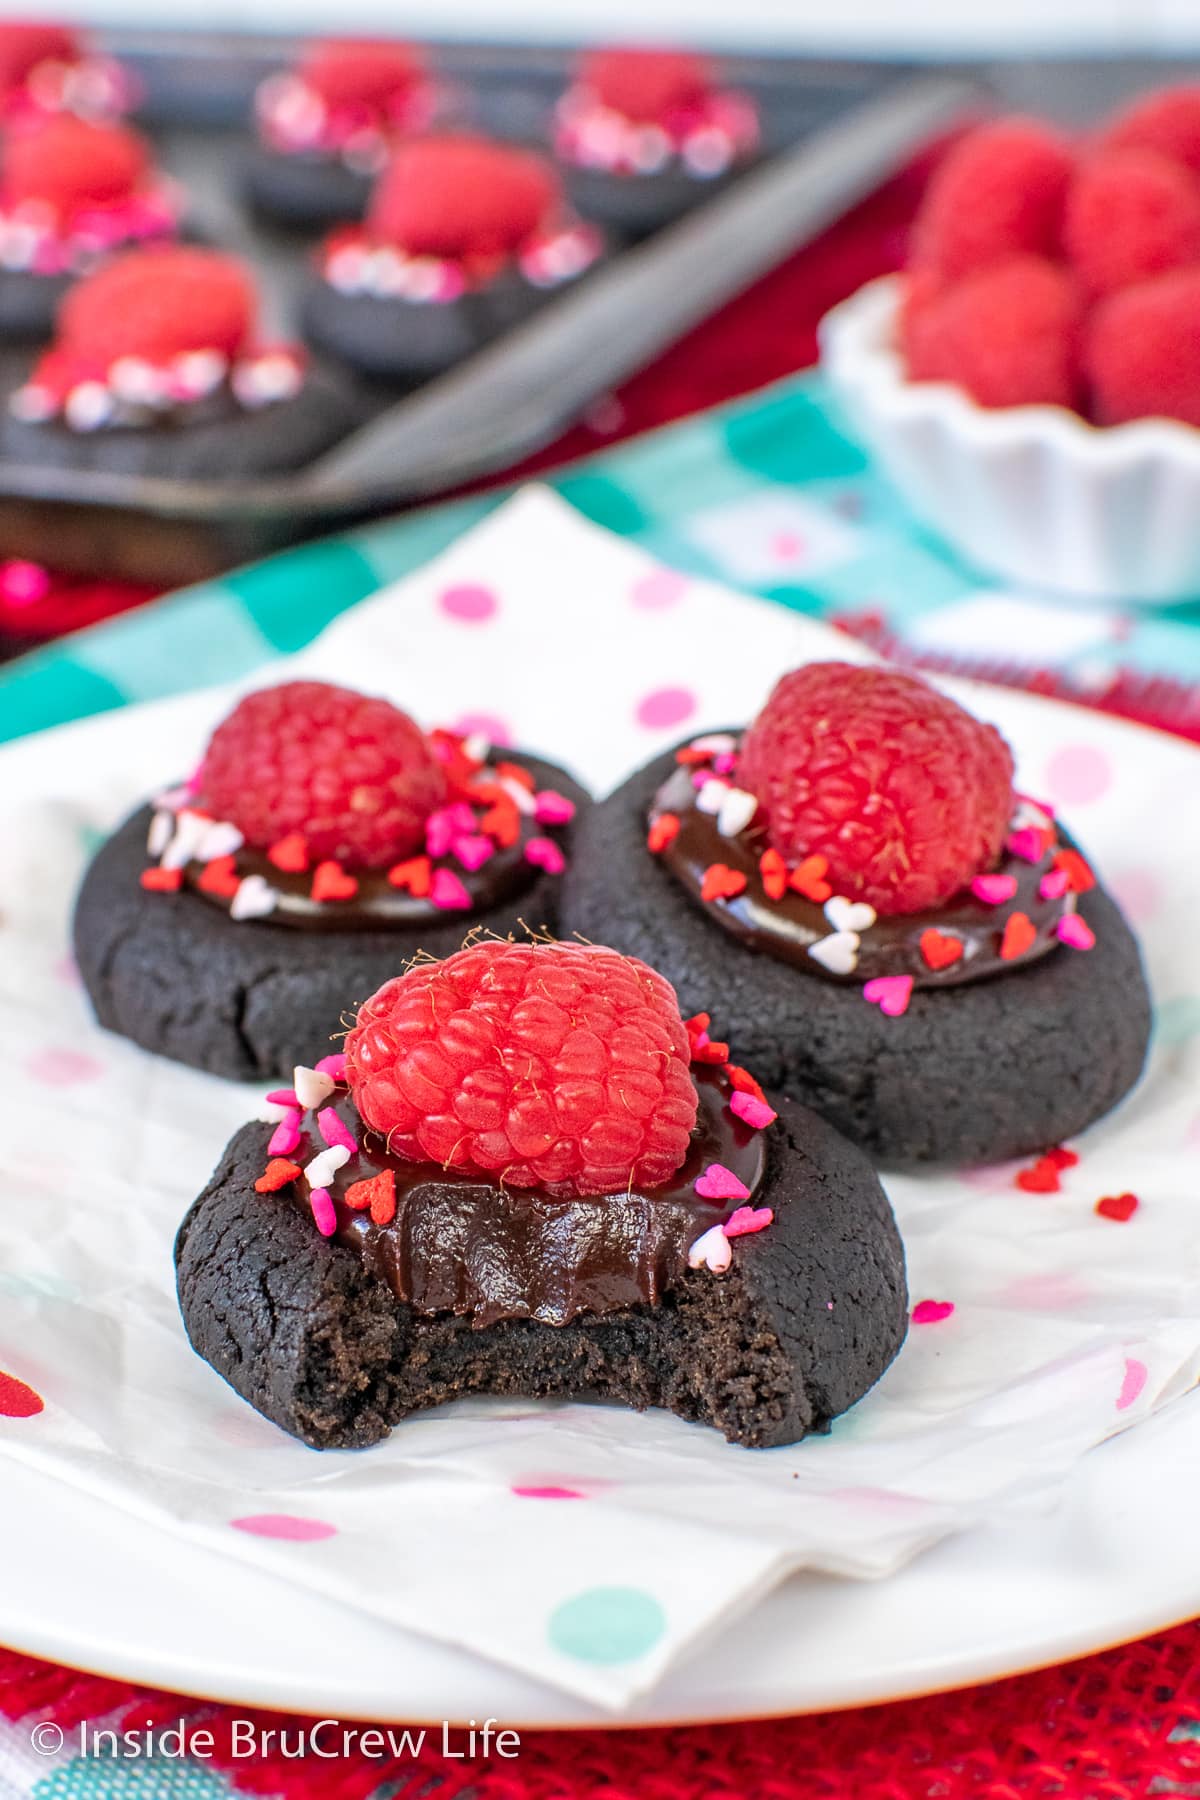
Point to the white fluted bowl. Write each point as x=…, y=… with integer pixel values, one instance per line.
x=1033, y=494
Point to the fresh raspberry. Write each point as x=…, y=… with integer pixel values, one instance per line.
x=70, y=163
x=361, y=71
x=998, y=193
x=562, y=1067
x=461, y=196
x=352, y=775
x=1009, y=335
x=24, y=44
x=1131, y=214
x=906, y=794
x=1167, y=121
x=1141, y=351
x=159, y=303
x=648, y=86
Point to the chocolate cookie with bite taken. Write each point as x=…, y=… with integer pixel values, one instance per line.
x=910, y=947
x=323, y=841
x=527, y=1175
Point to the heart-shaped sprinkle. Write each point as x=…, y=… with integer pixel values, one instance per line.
x=1080, y=878
x=1118, y=1207
x=838, y=952
x=377, y=1195
x=1040, y=1177
x=940, y=949
x=1019, y=936
x=1029, y=844
x=322, y=1169
x=890, y=993
x=752, y=1111
x=324, y=1217
x=161, y=881
x=931, y=1312
x=448, y=893
x=220, y=877
x=746, y=1220
x=290, y=854
x=719, y=1183
x=333, y=1065
x=773, y=874
x=501, y=821
x=1062, y=1158
x=277, y=1174
x=1053, y=885
x=713, y=743
x=473, y=850
x=162, y=830
x=283, y=1097
x=663, y=831
x=334, y=1131
x=254, y=899
x=711, y=796
x=218, y=839
x=550, y=808
x=414, y=876
x=1076, y=932
x=849, y=915
x=736, y=811
x=544, y=853
x=721, y=882
x=190, y=829
x=313, y=1086
x=1033, y=812
x=286, y=1134
x=711, y=1251
x=994, y=890
x=808, y=878
x=331, y=882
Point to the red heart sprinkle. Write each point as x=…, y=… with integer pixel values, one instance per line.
x=378, y=1193
x=1117, y=1206
x=290, y=854
x=162, y=881
x=940, y=949
x=1080, y=879
x=220, y=877
x=808, y=878
x=416, y=875
x=17, y=1399
x=1019, y=936
x=721, y=882
x=278, y=1172
x=331, y=882
x=502, y=821
x=1041, y=1177
x=663, y=831
x=1062, y=1158
x=691, y=758
x=743, y=1082
x=774, y=873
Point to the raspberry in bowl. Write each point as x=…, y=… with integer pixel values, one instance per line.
x=528, y=1174
x=1031, y=382
x=910, y=945
x=326, y=125
x=324, y=840
x=157, y=368
x=644, y=134
x=464, y=236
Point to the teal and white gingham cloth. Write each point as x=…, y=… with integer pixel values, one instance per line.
x=768, y=495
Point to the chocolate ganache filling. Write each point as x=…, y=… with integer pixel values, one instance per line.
x=462, y=1243
x=831, y=937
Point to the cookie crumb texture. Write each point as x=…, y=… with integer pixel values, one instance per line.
x=804, y=1323
x=250, y=1000
x=974, y=1074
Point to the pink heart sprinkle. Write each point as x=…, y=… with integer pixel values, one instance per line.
x=286, y=1135
x=333, y=1130
x=283, y=1097
x=890, y=993
x=754, y=1111
x=719, y=1183
x=448, y=893
x=931, y=1312
x=461, y=817
x=725, y=763
x=1027, y=844
x=1054, y=884
x=321, y=1201
x=544, y=853
x=439, y=834
x=473, y=850
x=553, y=809
x=1076, y=932
x=994, y=890
x=334, y=1066
x=747, y=1219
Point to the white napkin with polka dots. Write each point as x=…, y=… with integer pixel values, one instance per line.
x=585, y=1546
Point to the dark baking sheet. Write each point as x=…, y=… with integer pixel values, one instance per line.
x=832, y=132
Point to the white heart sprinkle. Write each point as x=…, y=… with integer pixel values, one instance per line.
x=717, y=743
x=173, y=798
x=220, y=839
x=322, y=1169
x=312, y=1086
x=737, y=809
x=255, y=898
x=476, y=747
x=849, y=915
x=525, y=801
x=162, y=830
x=711, y=797
x=190, y=828
x=838, y=953
x=272, y=1113
x=711, y=1251
x=1030, y=813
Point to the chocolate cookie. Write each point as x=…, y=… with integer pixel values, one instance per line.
x=249, y=998
x=978, y=1072
x=803, y=1321
x=401, y=341
x=306, y=193
x=28, y=304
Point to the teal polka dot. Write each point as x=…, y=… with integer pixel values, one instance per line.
x=607, y=1625
x=147, y=1778
x=1179, y=1019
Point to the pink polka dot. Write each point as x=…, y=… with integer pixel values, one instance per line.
x=486, y=725
x=1138, y=893
x=1078, y=774
x=548, y=1493
x=285, y=1525
x=1136, y=1377
x=62, y=1068
x=788, y=546
x=468, y=602
x=659, y=589
x=665, y=706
